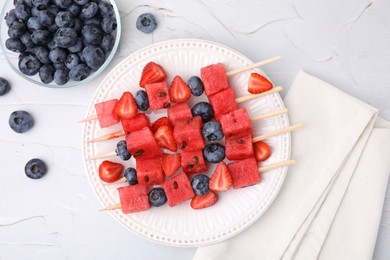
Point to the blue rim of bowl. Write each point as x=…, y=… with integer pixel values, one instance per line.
x=70, y=83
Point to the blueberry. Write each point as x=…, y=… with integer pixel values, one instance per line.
x=141, y=98
x=18, y=2
x=81, y=2
x=58, y=66
x=80, y=72
x=121, y=150
x=146, y=23
x=46, y=18
x=95, y=21
x=196, y=86
x=109, y=24
x=106, y=9
x=52, y=44
x=72, y=61
x=35, y=169
x=33, y=24
x=29, y=64
x=57, y=55
x=27, y=2
x=42, y=54
x=41, y=37
x=22, y=12
x=35, y=12
x=78, y=46
x=64, y=19
x=16, y=30
x=26, y=40
x=20, y=121
x=40, y=3
x=46, y=73
x=200, y=184
x=92, y=34
x=75, y=9
x=94, y=56
x=131, y=176
x=214, y=153
x=204, y=110
x=53, y=28
x=107, y=43
x=81, y=56
x=53, y=10
x=15, y=45
x=4, y=86
x=10, y=17
x=89, y=10
x=157, y=197
x=212, y=131
x=65, y=37
x=61, y=76
x=63, y=4
x=77, y=25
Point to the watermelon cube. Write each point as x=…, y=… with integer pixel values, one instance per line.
x=134, y=198
x=223, y=102
x=236, y=124
x=179, y=112
x=149, y=171
x=238, y=149
x=214, y=78
x=187, y=134
x=178, y=189
x=136, y=123
x=105, y=112
x=142, y=144
x=193, y=162
x=244, y=172
x=158, y=95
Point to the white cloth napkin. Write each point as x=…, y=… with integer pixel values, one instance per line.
x=331, y=202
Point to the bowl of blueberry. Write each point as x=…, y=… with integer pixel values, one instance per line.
x=59, y=43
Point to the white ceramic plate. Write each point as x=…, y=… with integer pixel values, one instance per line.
x=235, y=209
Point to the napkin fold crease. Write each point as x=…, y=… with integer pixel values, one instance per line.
x=320, y=194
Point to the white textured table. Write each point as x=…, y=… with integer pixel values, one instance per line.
x=343, y=42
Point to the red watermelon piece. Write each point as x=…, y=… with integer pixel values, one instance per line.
x=106, y=113
x=223, y=102
x=136, y=123
x=236, y=124
x=134, y=198
x=158, y=95
x=142, y=144
x=193, y=162
x=244, y=173
x=187, y=134
x=179, y=112
x=178, y=189
x=214, y=78
x=149, y=171
x=238, y=149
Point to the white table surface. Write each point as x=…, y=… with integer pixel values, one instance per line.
x=344, y=42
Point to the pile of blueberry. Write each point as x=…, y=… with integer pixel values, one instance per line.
x=61, y=40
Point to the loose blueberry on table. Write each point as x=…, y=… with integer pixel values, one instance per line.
x=4, y=86
x=20, y=121
x=35, y=169
x=146, y=23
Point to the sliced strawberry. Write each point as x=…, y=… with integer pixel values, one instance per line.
x=170, y=163
x=152, y=73
x=261, y=150
x=258, y=84
x=160, y=122
x=179, y=91
x=164, y=138
x=221, y=179
x=204, y=201
x=126, y=106
x=110, y=171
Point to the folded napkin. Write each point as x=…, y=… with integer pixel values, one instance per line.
x=331, y=201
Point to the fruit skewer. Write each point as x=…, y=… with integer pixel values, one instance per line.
x=229, y=73
x=261, y=169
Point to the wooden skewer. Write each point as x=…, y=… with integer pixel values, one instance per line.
x=253, y=96
x=261, y=169
x=278, y=132
x=271, y=114
x=90, y=118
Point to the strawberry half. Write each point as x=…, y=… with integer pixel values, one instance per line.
x=258, y=84
x=221, y=180
x=170, y=163
x=126, y=106
x=164, y=138
x=110, y=171
x=179, y=91
x=152, y=73
x=204, y=201
x=160, y=122
x=261, y=150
